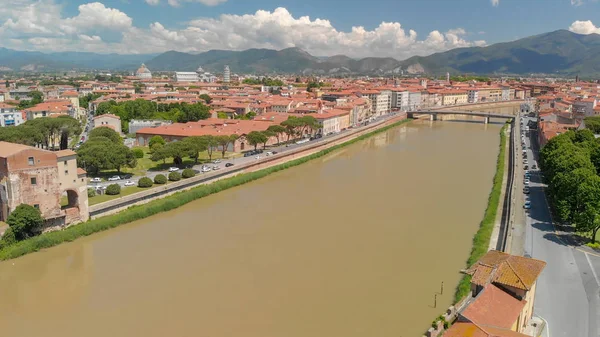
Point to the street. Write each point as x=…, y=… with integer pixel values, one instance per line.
x=568, y=289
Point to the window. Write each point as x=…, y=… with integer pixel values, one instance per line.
x=31, y=161
x=65, y=162
x=33, y=181
x=66, y=171
x=37, y=206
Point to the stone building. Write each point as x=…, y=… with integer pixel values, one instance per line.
x=40, y=178
x=108, y=120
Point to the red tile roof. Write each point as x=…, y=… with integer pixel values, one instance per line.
x=494, y=307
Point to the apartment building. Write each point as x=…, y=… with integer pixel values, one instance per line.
x=186, y=76
x=137, y=124
x=454, y=97
x=10, y=116
x=110, y=121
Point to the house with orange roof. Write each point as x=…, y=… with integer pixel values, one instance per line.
x=50, y=108
x=110, y=121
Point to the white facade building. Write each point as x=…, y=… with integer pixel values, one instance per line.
x=383, y=103
x=400, y=99
x=414, y=100
x=227, y=75
x=9, y=116
x=473, y=95
x=186, y=76
x=143, y=73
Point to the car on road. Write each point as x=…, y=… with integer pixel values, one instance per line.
x=269, y=153
x=173, y=169
x=229, y=165
x=526, y=183
x=525, y=167
x=206, y=169
x=534, y=167
x=129, y=183
x=114, y=178
x=526, y=190
x=216, y=161
x=257, y=157
x=527, y=205
x=216, y=168
x=96, y=180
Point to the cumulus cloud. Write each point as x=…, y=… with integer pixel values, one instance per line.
x=177, y=3
x=495, y=3
x=584, y=27
x=39, y=25
x=576, y=2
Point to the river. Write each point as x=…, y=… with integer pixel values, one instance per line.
x=353, y=244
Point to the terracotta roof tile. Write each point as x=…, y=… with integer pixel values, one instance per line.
x=494, y=307
x=467, y=329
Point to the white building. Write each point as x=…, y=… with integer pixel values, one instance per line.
x=414, y=100
x=137, y=124
x=400, y=99
x=227, y=75
x=9, y=116
x=383, y=104
x=143, y=73
x=186, y=76
x=473, y=95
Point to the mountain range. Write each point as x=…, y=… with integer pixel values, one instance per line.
x=560, y=52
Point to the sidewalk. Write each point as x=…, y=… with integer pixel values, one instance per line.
x=537, y=327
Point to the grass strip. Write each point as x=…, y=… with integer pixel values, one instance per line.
x=481, y=239
x=168, y=203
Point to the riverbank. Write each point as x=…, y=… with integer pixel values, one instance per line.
x=481, y=239
x=171, y=202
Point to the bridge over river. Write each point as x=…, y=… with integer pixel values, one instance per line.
x=433, y=115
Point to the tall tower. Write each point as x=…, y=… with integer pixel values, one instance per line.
x=227, y=75
x=448, y=77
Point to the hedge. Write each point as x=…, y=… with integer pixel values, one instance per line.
x=188, y=173
x=174, y=176
x=176, y=200
x=160, y=179
x=481, y=239
x=113, y=189
x=145, y=182
x=138, y=153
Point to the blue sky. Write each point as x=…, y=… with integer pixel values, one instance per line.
x=412, y=26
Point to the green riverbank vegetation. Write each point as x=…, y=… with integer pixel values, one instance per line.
x=481, y=239
x=168, y=203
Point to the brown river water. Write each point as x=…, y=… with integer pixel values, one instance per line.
x=354, y=244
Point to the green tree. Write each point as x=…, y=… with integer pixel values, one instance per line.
x=24, y=221
x=113, y=189
x=224, y=141
x=267, y=135
x=255, y=138
x=588, y=200
x=290, y=125
x=206, y=98
x=188, y=173
x=145, y=182
x=156, y=140
x=211, y=145
x=277, y=130
x=106, y=132
x=174, y=176
x=100, y=153
x=160, y=179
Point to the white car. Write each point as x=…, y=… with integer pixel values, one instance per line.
x=206, y=169
x=257, y=157
x=269, y=153
x=215, y=168
x=114, y=178
x=129, y=183
x=216, y=161
x=96, y=180
x=173, y=169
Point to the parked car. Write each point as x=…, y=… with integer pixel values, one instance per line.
x=216, y=161
x=526, y=183
x=526, y=190
x=129, y=183
x=257, y=157
x=206, y=169
x=229, y=165
x=534, y=167
x=527, y=205
x=114, y=178
x=216, y=168
x=274, y=152
x=173, y=169
x=96, y=180
x=269, y=153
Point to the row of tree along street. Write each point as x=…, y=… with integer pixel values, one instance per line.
x=570, y=163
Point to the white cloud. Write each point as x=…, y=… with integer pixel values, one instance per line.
x=495, y=3
x=177, y=3
x=584, y=27
x=40, y=26
x=576, y=2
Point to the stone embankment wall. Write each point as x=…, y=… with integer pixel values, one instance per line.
x=116, y=205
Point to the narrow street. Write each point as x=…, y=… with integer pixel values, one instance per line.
x=568, y=289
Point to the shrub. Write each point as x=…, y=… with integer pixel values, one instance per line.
x=138, y=153
x=24, y=221
x=188, y=173
x=145, y=182
x=160, y=179
x=8, y=238
x=91, y=192
x=174, y=176
x=594, y=245
x=113, y=189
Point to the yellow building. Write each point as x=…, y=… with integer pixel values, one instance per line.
x=454, y=97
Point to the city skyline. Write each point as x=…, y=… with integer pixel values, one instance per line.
x=398, y=29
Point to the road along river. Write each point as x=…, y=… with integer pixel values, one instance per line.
x=353, y=244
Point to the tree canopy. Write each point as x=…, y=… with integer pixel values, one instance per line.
x=570, y=164
x=24, y=221
x=48, y=132
x=104, y=150
x=264, y=81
